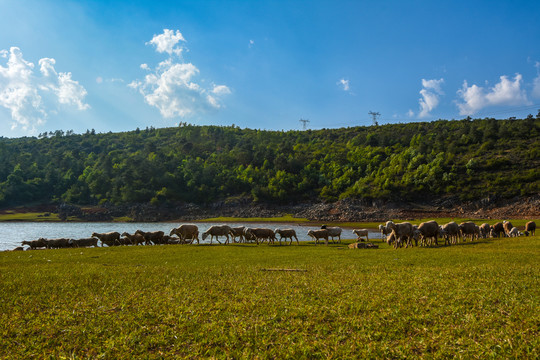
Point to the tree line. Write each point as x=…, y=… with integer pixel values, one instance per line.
x=468, y=158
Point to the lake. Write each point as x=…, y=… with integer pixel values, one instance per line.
x=15, y=232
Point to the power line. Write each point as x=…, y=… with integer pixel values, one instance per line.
x=304, y=123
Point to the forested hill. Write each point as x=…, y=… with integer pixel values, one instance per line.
x=473, y=159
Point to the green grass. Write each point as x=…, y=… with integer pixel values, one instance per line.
x=28, y=216
x=478, y=300
x=285, y=218
x=122, y=219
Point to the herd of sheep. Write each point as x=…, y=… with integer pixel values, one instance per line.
x=396, y=234
x=428, y=233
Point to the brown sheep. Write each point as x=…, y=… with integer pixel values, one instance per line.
x=36, y=244
x=429, y=229
x=485, y=229
x=530, y=227
x=136, y=239
x=151, y=236
x=452, y=232
x=384, y=231
x=469, y=229
x=319, y=234
x=58, y=243
x=287, y=234
x=238, y=232
x=507, y=227
x=109, y=238
x=498, y=228
x=217, y=231
x=360, y=233
x=261, y=234
x=333, y=232
x=401, y=231
x=185, y=232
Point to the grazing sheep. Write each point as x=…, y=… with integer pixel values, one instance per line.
x=401, y=231
x=319, y=234
x=361, y=233
x=507, y=227
x=109, y=238
x=514, y=232
x=530, y=227
x=86, y=242
x=217, y=231
x=333, y=232
x=150, y=237
x=287, y=234
x=452, y=233
x=498, y=228
x=485, y=230
x=384, y=231
x=35, y=244
x=185, y=232
x=469, y=229
x=417, y=236
x=429, y=230
x=261, y=234
x=493, y=233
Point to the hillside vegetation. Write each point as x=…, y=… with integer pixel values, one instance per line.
x=471, y=159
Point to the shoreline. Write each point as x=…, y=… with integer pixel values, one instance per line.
x=339, y=212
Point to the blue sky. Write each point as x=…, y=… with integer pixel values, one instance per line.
x=119, y=65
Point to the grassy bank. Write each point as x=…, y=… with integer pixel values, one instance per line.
x=476, y=300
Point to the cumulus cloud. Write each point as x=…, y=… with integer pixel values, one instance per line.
x=431, y=93
x=168, y=41
x=172, y=87
x=30, y=97
x=505, y=92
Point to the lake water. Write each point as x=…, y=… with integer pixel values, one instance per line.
x=15, y=232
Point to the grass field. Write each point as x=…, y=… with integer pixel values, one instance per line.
x=475, y=300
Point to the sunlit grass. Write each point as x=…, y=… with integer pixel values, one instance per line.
x=476, y=300
x=28, y=216
x=285, y=218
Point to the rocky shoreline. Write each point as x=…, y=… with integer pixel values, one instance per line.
x=348, y=210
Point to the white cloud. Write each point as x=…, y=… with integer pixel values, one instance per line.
x=70, y=92
x=430, y=96
x=344, y=83
x=29, y=97
x=505, y=92
x=167, y=42
x=172, y=88
x=221, y=90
